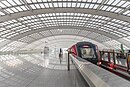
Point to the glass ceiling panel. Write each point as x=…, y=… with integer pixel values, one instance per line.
x=58, y=40
x=127, y=38
x=13, y=46
x=13, y=28
x=1, y=13
x=113, y=44
x=115, y=6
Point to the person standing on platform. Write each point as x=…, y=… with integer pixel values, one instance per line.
x=60, y=55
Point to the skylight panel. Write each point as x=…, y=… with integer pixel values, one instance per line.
x=118, y=10
x=33, y=7
x=116, y=2
x=128, y=14
x=28, y=17
x=91, y=5
x=110, y=2
x=50, y=5
x=64, y=4
x=124, y=22
x=12, y=2
x=9, y=10
x=23, y=7
x=69, y=5
x=104, y=7
x=115, y=20
x=89, y=0
x=113, y=9
x=46, y=5
x=109, y=8
x=2, y=5
x=14, y=20
x=60, y=4
x=82, y=5
x=76, y=0
x=39, y=15
x=2, y=29
x=1, y=13
x=16, y=1
x=82, y=0
x=121, y=3
x=6, y=3
x=95, y=6
x=55, y=5
x=37, y=5
x=14, y=9
x=125, y=13
x=99, y=1
x=78, y=4
x=126, y=4
x=34, y=1
x=41, y=5
x=39, y=0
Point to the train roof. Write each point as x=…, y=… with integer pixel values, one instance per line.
x=89, y=43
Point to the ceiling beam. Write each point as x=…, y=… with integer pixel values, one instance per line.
x=64, y=27
x=50, y=41
x=66, y=34
x=65, y=10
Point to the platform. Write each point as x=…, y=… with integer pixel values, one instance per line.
x=36, y=71
x=57, y=78
x=33, y=70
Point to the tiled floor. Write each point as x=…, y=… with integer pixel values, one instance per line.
x=36, y=71
x=58, y=78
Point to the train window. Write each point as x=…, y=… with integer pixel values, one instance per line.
x=87, y=52
x=105, y=57
x=120, y=61
x=111, y=57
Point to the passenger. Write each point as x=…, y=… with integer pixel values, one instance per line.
x=60, y=55
x=122, y=55
x=121, y=58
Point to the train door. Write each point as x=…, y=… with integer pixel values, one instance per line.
x=128, y=62
x=107, y=59
x=104, y=58
x=97, y=53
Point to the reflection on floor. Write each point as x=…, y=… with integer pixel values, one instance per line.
x=57, y=78
x=33, y=70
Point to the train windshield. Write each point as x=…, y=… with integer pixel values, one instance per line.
x=87, y=52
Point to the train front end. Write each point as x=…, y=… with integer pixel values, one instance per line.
x=86, y=50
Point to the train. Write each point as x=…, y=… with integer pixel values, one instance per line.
x=108, y=58
x=86, y=50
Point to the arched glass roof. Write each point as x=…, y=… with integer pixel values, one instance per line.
x=23, y=22
x=115, y=6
